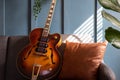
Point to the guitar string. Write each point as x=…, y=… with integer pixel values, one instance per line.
x=52, y=5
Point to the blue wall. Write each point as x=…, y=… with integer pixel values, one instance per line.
x=15, y=20
x=56, y=21
x=1, y=17
x=112, y=55
x=76, y=13
x=14, y=15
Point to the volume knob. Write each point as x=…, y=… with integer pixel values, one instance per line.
x=55, y=37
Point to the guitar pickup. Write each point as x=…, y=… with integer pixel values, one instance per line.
x=40, y=49
x=40, y=44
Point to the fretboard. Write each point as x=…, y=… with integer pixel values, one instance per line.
x=49, y=19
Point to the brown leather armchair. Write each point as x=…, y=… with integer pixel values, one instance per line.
x=11, y=45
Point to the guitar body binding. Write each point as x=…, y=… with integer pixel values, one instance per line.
x=42, y=52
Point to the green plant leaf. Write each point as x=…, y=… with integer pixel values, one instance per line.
x=116, y=2
x=113, y=37
x=36, y=8
x=111, y=18
x=110, y=4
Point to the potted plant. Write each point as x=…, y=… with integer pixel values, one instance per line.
x=37, y=8
x=112, y=35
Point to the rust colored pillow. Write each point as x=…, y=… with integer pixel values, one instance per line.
x=81, y=60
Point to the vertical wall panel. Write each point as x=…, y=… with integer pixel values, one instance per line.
x=78, y=13
x=56, y=21
x=1, y=17
x=16, y=18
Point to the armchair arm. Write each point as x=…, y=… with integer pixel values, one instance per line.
x=105, y=73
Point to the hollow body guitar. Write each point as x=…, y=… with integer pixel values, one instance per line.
x=40, y=59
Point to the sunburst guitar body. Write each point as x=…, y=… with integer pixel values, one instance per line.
x=40, y=59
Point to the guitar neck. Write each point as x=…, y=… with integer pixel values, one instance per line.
x=49, y=18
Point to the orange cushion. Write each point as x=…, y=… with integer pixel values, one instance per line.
x=81, y=60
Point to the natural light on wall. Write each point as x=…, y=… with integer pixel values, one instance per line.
x=85, y=30
x=99, y=25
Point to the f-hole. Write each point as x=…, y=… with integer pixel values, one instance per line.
x=52, y=56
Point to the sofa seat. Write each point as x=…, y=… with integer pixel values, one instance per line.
x=10, y=47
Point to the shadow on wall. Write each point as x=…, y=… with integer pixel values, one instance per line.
x=88, y=26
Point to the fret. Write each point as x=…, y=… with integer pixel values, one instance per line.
x=45, y=28
x=47, y=24
x=52, y=6
x=51, y=11
x=49, y=19
x=50, y=15
x=45, y=33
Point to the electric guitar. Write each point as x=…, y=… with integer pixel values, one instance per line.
x=40, y=59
